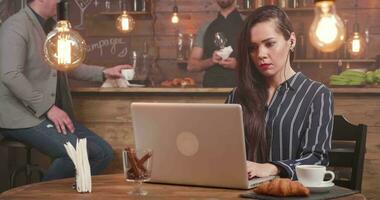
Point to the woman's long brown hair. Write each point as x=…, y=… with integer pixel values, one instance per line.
x=252, y=88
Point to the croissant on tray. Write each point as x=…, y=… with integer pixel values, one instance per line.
x=282, y=187
x=178, y=82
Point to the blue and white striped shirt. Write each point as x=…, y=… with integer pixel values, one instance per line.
x=300, y=119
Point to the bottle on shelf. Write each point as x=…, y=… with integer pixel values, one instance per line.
x=282, y=3
x=190, y=45
x=301, y=3
x=367, y=38
x=346, y=54
x=258, y=3
x=301, y=46
x=135, y=5
x=247, y=4
x=147, y=59
x=339, y=68
x=142, y=5
x=308, y=3
x=107, y=5
x=292, y=3
x=180, y=47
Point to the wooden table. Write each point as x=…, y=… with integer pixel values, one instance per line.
x=107, y=187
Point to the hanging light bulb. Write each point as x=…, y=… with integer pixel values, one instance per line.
x=125, y=22
x=64, y=49
x=356, y=41
x=175, y=18
x=357, y=45
x=327, y=32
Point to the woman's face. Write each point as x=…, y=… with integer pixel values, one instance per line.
x=269, y=49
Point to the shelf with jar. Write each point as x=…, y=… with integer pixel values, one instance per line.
x=334, y=61
x=246, y=6
x=138, y=8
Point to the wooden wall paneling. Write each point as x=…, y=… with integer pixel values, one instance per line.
x=363, y=109
x=168, y=46
x=171, y=69
x=194, y=13
x=119, y=135
x=316, y=71
x=186, y=5
x=371, y=175
x=373, y=143
x=104, y=25
x=189, y=22
x=362, y=3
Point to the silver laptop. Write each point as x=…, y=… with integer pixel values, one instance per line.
x=194, y=144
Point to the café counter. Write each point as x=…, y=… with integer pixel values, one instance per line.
x=107, y=112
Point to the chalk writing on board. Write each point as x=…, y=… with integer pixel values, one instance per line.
x=116, y=46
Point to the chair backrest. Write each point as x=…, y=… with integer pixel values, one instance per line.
x=348, y=150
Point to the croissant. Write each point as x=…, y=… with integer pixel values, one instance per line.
x=282, y=187
x=188, y=81
x=177, y=82
x=167, y=83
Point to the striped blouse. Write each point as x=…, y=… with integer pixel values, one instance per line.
x=300, y=120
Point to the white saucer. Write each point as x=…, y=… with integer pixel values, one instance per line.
x=323, y=188
x=134, y=85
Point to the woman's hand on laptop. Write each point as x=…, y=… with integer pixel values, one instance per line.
x=261, y=169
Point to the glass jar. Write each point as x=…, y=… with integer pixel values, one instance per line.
x=247, y=4
x=107, y=5
x=258, y=3
x=180, y=47
x=292, y=3
x=282, y=3
x=189, y=46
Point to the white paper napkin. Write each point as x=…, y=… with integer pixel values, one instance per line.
x=79, y=157
x=225, y=52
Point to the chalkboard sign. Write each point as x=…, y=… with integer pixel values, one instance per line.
x=105, y=45
x=107, y=50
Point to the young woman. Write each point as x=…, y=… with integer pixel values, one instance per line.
x=288, y=118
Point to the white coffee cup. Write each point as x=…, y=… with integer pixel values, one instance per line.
x=128, y=73
x=313, y=175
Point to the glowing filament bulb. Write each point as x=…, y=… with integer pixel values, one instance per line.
x=356, y=45
x=125, y=24
x=326, y=30
x=64, y=50
x=175, y=18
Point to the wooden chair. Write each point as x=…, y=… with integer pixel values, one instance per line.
x=348, y=151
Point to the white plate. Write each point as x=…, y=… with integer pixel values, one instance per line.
x=134, y=85
x=324, y=188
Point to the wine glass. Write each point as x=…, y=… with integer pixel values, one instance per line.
x=83, y=5
x=137, y=165
x=220, y=40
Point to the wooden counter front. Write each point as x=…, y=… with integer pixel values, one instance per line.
x=107, y=112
